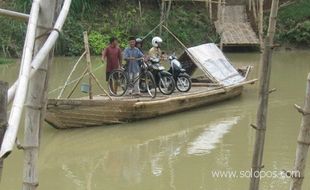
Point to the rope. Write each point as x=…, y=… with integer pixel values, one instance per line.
x=153, y=29
x=73, y=81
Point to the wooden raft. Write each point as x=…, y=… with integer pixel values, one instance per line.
x=82, y=112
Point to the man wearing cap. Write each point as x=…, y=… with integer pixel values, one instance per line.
x=132, y=55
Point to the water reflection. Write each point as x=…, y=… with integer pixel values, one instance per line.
x=133, y=164
x=212, y=135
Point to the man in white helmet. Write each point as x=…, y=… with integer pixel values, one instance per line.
x=155, y=52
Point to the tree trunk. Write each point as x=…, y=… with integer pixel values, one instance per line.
x=263, y=99
x=303, y=144
x=3, y=115
x=36, y=100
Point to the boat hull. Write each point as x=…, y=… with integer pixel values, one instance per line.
x=77, y=113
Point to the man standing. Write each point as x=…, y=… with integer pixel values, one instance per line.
x=132, y=55
x=112, y=55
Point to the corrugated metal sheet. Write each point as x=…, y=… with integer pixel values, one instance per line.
x=210, y=59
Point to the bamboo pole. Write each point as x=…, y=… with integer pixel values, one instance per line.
x=47, y=47
x=162, y=16
x=100, y=86
x=250, y=5
x=14, y=14
x=303, y=143
x=88, y=60
x=210, y=10
x=261, y=23
x=3, y=116
x=168, y=12
x=18, y=104
x=222, y=20
x=78, y=82
x=254, y=11
x=72, y=81
x=219, y=10
x=140, y=10
x=36, y=101
x=223, y=11
x=67, y=81
x=263, y=98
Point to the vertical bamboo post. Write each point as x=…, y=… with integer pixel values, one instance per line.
x=36, y=100
x=250, y=5
x=303, y=143
x=168, y=12
x=261, y=23
x=219, y=11
x=254, y=11
x=140, y=10
x=162, y=16
x=265, y=71
x=210, y=10
x=88, y=60
x=3, y=116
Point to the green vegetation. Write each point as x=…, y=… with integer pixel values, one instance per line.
x=104, y=19
x=5, y=61
x=122, y=19
x=294, y=24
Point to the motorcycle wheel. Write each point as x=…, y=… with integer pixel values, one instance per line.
x=166, y=85
x=183, y=83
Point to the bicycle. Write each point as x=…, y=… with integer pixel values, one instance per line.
x=119, y=81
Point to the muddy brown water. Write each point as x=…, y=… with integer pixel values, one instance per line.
x=178, y=151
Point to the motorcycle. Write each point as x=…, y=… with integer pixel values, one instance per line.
x=163, y=79
x=182, y=79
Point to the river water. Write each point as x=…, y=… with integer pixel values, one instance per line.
x=181, y=151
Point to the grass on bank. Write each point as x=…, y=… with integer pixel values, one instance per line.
x=294, y=24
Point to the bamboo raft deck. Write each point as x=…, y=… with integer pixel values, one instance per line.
x=235, y=29
x=83, y=112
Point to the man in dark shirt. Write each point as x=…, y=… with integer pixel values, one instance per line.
x=112, y=55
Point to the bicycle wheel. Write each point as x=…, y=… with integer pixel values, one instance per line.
x=166, y=85
x=183, y=83
x=147, y=84
x=118, y=83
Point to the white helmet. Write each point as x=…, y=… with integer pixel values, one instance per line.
x=139, y=40
x=156, y=40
